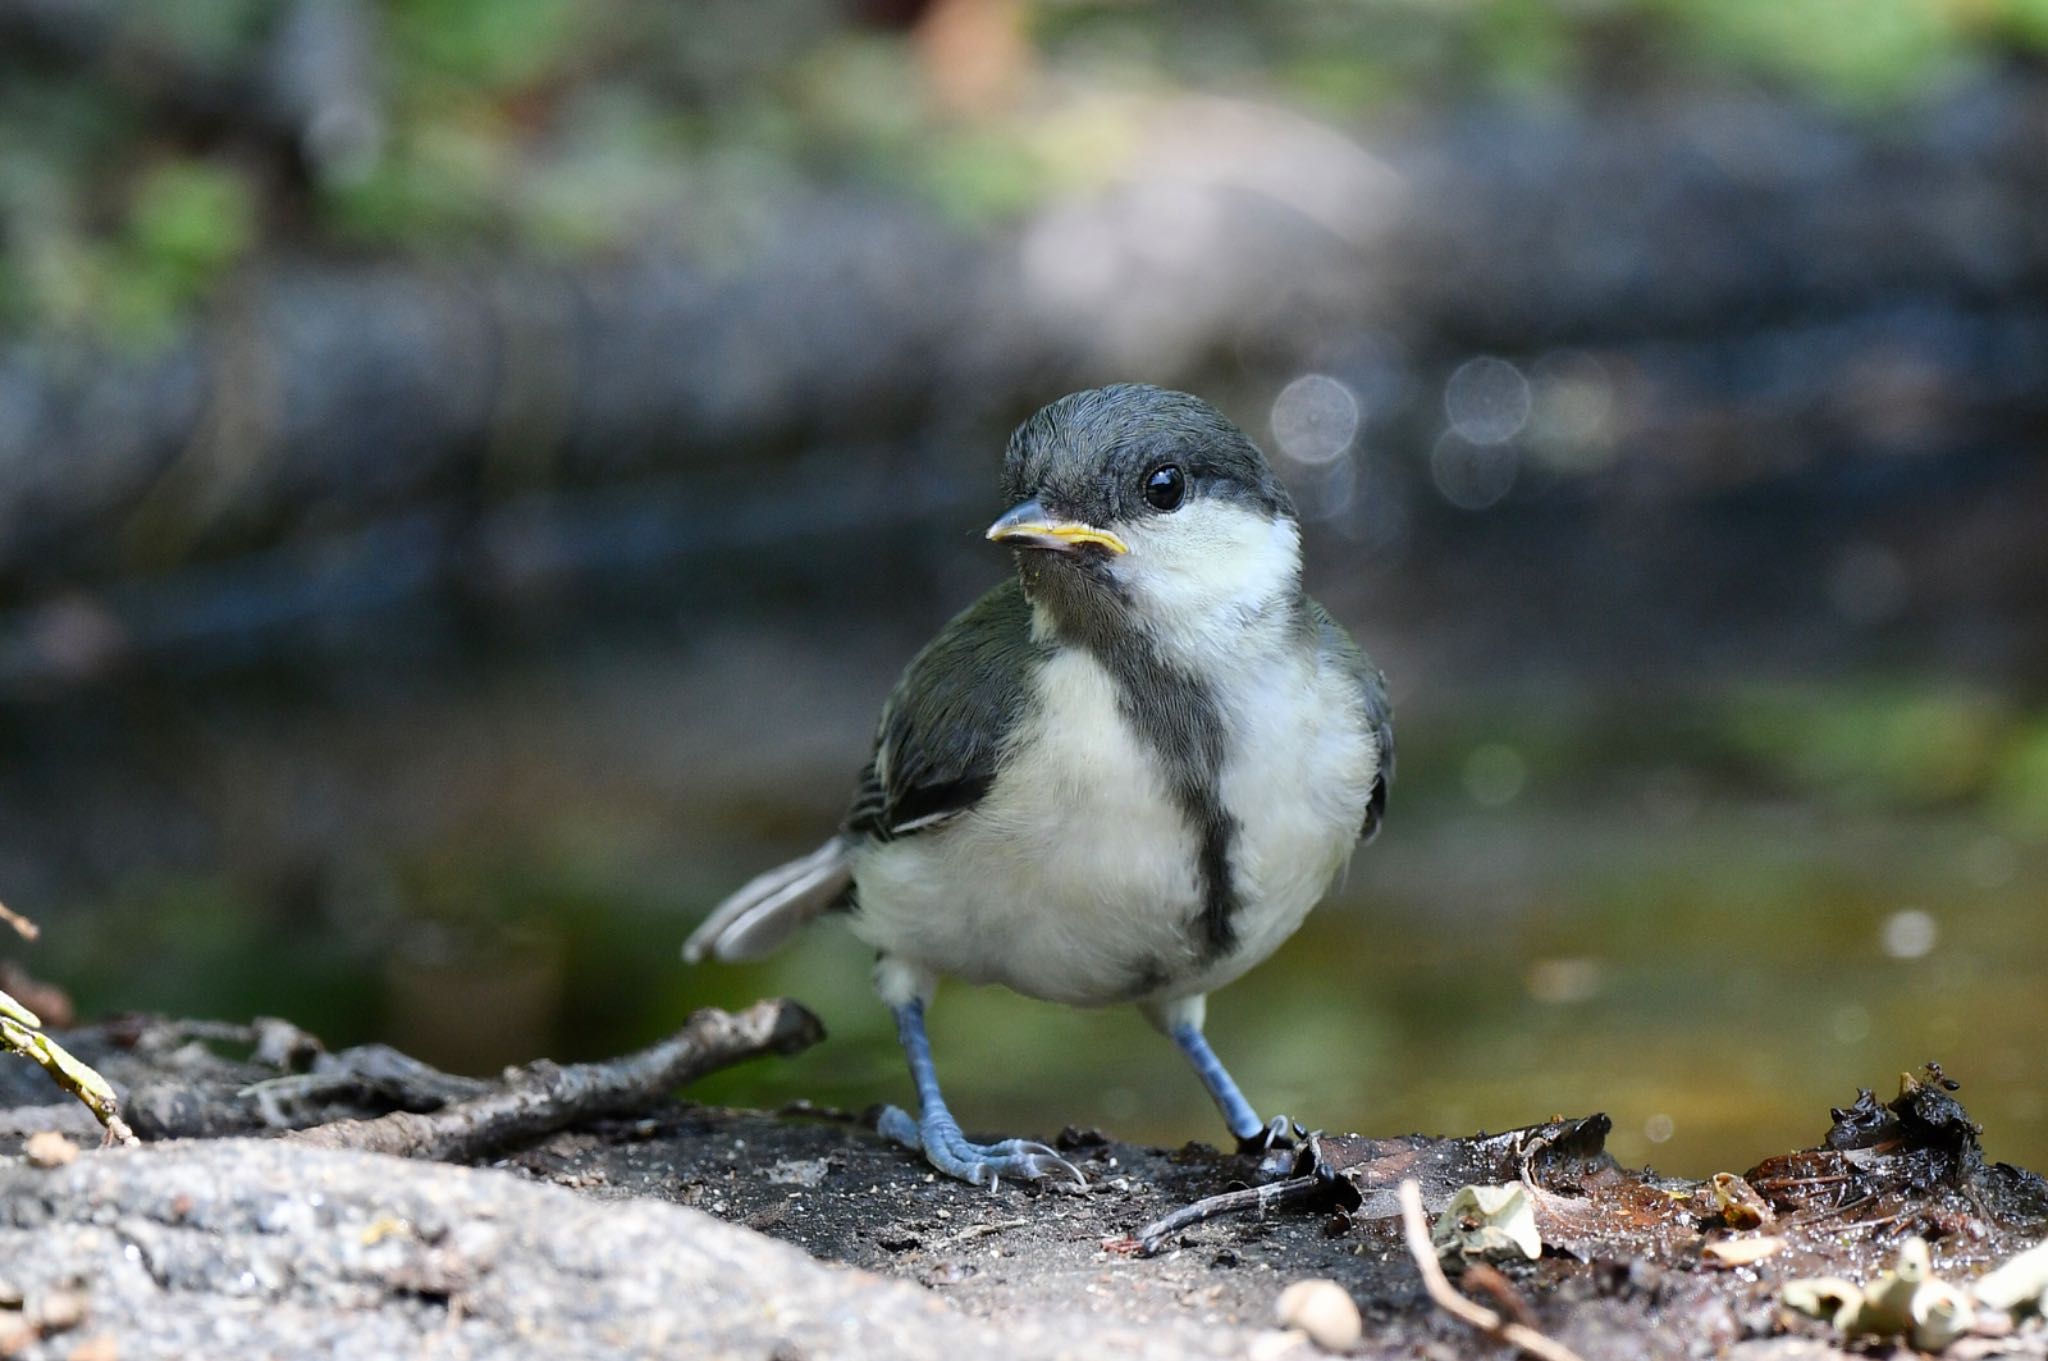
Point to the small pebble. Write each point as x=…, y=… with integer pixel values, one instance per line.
x=17, y=1334
x=57, y=1311
x=48, y=1148
x=1272, y=1346
x=1324, y=1311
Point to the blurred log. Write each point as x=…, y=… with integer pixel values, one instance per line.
x=310, y=97
x=334, y=395
x=1763, y=285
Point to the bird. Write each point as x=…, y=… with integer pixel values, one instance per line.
x=1124, y=775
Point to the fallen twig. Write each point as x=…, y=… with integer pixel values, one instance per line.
x=1415, y=1227
x=544, y=1097
x=974, y=1231
x=23, y=927
x=1292, y=1191
x=371, y=1074
x=1825, y=1212
x=1488, y=1280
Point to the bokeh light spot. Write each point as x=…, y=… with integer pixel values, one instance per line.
x=1472, y=476
x=1910, y=934
x=1315, y=418
x=1327, y=492
x=1495, y=774
x=1572, y=412
x=1487, y=400
x=1558, y=982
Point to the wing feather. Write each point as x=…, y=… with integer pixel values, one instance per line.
x=943, y=729
x=1372, y=699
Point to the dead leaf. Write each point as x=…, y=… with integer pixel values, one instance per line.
x=1735, y=1252
x=47, y=1148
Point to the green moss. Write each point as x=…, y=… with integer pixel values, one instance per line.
x=488, y=43
x=1872, y=746
x=1864, y=52
x=577, y=131
x=2019, y=794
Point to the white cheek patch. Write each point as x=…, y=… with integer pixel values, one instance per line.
x=1209, y=567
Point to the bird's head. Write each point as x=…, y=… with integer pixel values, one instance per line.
x=1136, y=499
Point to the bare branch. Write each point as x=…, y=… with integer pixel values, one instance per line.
x=543, y=1097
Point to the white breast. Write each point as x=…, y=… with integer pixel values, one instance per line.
x=1297, y=778
x=1075, y=880
x=1070, y=880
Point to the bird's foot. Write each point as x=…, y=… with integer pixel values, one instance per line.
x=1273, y=1146
x=951, y=1152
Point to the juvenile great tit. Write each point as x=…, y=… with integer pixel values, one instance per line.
x=1125, y=775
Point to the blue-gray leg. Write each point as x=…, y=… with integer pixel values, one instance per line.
x=1253, y=1136
x=1244, y=1122
x=937, y=1134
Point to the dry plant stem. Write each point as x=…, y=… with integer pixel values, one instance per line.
x=1488, y=1281
x=19, y=1035
x=542, y=1098
x=21, y=1032
x=1416, y=1229
x=23, y=927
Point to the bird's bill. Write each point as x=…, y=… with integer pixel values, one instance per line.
x=1030, y=526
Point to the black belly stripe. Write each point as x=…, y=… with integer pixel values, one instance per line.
x=1219, y=888
x=1174, y=712
x=1177, y=715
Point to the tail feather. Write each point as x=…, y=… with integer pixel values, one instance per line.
x=762, y=916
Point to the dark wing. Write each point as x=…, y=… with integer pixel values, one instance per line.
x=945, y=725
x=1336, y=646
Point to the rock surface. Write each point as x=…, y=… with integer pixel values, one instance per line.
x=264, y=1248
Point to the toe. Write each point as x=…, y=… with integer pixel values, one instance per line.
x=1046, y=1163
x=895, y=1125
x=989, y=1164
x=1010, y=1147
x=1031, y=1160
x=1033, y=1164
x=962, y=1165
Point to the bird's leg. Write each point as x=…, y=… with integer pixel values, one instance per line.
x=1181, y=1019
x=1253, y=1135
x=937, y=1134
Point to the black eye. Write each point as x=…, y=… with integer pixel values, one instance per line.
x=1164, y=487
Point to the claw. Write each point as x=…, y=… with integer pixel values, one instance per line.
x=951, y=1152
x=1273, y=1146
x=896, y=1126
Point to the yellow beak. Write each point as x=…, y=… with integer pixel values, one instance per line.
x=1029, y=526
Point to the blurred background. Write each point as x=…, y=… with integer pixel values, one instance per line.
x=470, y=471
